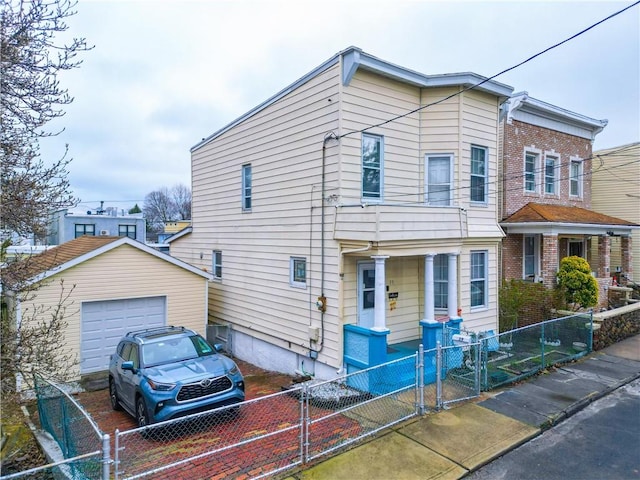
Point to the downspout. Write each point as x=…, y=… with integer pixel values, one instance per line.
x=322, y=299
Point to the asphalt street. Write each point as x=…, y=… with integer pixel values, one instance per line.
x=601, y=442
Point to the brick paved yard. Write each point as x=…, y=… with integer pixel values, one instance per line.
x=267, y=429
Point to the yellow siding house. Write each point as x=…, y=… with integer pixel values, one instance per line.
x=362, y=195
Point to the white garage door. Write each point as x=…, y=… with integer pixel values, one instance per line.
x=105, y=322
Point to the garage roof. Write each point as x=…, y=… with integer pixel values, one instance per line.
x=64, y=256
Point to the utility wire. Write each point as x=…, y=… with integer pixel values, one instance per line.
x=397, y=117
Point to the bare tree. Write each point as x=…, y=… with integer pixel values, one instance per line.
x=181, y=195
x=31, y=96
x=31, y=57
x=158, y=209
x=166, y=205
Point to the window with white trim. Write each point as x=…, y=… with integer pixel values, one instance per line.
x=216, y=267
x=531, y=258
x=246, y=187
x=372, y=166
x=550, y=166
x=298, y=272
x=479, y=281
x=438, y=181
x=441, y=281
x=479, y=174
x=531, y=172
x=575, y=178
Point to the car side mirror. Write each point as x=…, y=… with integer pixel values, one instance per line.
x=128, y=366
x=218, y=347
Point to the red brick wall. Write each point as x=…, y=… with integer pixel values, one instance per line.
x=512, y=257
x=517, y=137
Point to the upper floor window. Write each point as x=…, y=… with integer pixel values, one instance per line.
x=530, y=172
x=372, y=165
x=478, y=174
x=85, y=229
x=127, y=231
x=298, y=272
x=575, y=178
x=217, y=264
x=479, y=280
x=438, y=180
x=246, y=187
x=550, y=165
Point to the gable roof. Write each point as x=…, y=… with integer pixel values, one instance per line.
x=71, y=253
x=537, y=213
x=353, y=59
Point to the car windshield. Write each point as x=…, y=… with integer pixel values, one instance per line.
x=170, y=350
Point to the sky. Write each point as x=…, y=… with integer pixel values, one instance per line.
x=165, y=74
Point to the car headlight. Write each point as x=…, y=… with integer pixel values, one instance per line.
x=161, y=387
x=233, y=370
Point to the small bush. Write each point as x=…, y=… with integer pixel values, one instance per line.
x=579, y=288
x=523, y=303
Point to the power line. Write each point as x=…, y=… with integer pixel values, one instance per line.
x=411, y=112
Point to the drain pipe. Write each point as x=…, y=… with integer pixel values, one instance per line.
x=322, y=299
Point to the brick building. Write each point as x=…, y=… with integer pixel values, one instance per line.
x=546, y=194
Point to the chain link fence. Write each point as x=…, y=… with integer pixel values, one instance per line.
x=268, y=435
x=84, y=448
x=520, y=353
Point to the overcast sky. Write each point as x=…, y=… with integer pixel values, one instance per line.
x=163, y=75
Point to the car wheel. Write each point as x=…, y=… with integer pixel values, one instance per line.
x=113, y=395
x=141, y=413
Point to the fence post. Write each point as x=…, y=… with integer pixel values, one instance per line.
x=480, y=366
x=438, y=375
x=304, y=424
x=590, y=338
x=543, y=341
x=116, y=454
x=106, y=456
x=420, y=379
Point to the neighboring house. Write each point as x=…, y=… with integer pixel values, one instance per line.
x=361, y=198
x=65, y=225
x=119, y=285
x=171, y=228
x=546, y=211
x=615, y=190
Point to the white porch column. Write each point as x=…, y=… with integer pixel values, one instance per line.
x=429, y=295
x=452, y=286
x=379, y=318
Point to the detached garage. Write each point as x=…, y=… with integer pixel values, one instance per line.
x=119, y=285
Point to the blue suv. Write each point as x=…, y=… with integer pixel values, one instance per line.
x=163, y=373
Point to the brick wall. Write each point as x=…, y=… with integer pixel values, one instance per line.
x=512, y=257
x=517, y=137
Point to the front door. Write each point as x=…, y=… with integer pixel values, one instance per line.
x=366, y=293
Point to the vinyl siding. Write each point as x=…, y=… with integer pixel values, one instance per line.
x=283, y=144
x=621, y=174
x=124, y=272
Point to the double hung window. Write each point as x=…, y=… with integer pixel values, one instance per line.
x=127, y=231
x=372, y=166
x=84, y=229
x=478, y=174
x=479, y=293
x=575, y=178
x=530, y=172
x=550, y=165
x=216, y=258
x=438, y=179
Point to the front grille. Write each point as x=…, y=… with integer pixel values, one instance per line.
x=193, y=391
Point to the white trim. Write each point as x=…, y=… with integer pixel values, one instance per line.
x=580, y=178
x=536, y=255
x=112, y=245
x=292, y=282
x=380, y=198
x=485, y=201
x=562, y=228
x=214, y=264
x=485, y=300
x=427, y=157
x=537, y=171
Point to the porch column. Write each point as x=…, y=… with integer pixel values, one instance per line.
x=549, y=260
x=429, y=300
x=626, y=243
x=604, y=256
x=452, y=286
x=379, y=313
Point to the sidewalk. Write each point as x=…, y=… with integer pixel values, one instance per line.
x=454, y=442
